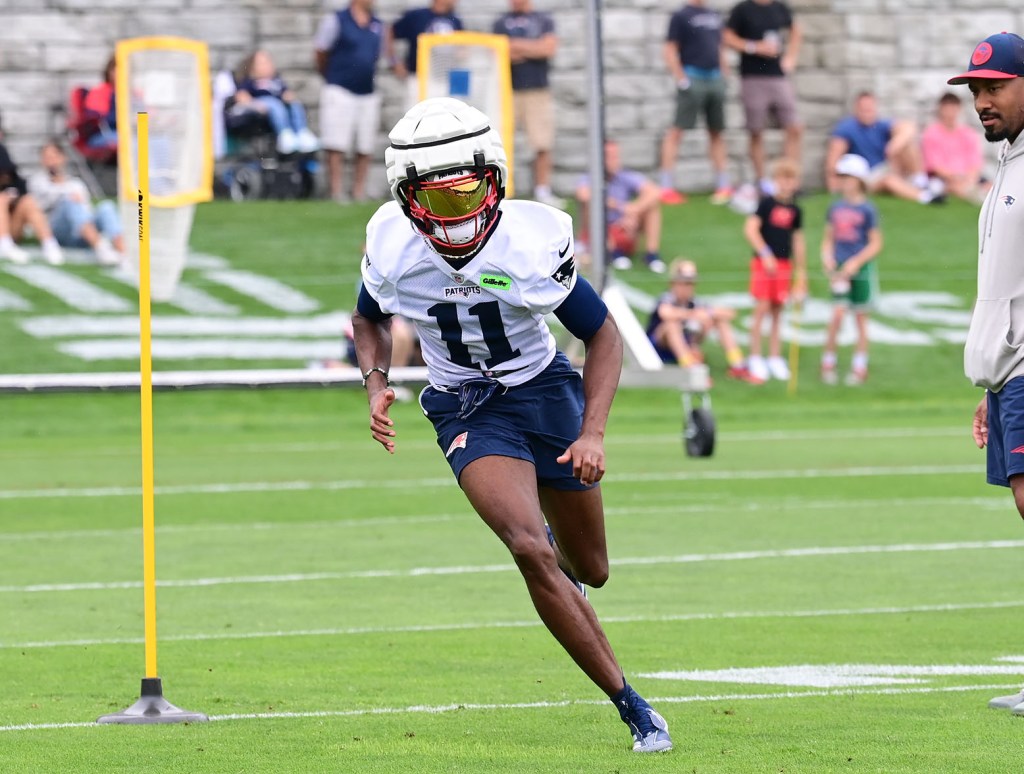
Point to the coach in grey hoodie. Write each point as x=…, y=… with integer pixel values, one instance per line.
x=994, y=354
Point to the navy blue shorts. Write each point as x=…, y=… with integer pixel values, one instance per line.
x=536, y=421
x=1006, y=432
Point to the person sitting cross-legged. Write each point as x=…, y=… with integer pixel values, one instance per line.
x=680, y=323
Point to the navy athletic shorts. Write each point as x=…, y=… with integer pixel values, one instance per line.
x=1006, y=432
x=536, y=421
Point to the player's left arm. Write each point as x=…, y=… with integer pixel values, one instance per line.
x=585, y=315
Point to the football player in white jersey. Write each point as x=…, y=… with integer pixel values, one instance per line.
x=522, y=431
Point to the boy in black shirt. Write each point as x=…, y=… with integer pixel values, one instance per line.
x=775, y=233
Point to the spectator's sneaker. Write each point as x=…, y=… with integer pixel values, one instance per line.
x=13, y=253
x=829, y=375
x=742, y=374
x=856, y=377
x=722, y=196
x=745, y=200
x=672, y=196
x=657, y=265
x=52, y=253
x=758, y=368
x=106, y=254
x=649, y=729
x=778, y=368
x=287, y=142
x=622, y=262
x=306, y=141
x=572, y=578
x=1007, y=702
x=550, y=200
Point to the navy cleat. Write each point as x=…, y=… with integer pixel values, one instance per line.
x=572, y=578
x=649, y=729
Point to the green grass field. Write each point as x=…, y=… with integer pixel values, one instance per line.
x=831, y=592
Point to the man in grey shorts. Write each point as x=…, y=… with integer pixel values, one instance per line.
x=695, y=58
x=758, y=30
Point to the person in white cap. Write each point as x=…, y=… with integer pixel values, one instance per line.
x=994, y=352
x=849, y=248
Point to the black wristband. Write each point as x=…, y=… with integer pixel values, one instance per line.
x=387, y=380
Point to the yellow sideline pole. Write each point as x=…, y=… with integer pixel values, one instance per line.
x=146, y=370
x=151, y=707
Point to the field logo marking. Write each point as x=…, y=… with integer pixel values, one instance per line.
x=835, y=675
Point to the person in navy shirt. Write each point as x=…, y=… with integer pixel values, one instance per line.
x=532, y=44
x=348, y=44
x=695, y=58
x=890, y=148
x=437, y=19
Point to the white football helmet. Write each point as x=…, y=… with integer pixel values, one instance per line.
x=447, y=169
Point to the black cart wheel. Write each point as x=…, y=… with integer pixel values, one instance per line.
x=699, y=433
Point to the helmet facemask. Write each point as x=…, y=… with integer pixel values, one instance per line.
x=454, y=209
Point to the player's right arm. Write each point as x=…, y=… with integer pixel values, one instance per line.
x=371, y=330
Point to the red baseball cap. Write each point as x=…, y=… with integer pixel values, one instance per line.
x=997, y=56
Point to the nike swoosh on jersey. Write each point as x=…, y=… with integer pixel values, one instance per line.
x=561, y=253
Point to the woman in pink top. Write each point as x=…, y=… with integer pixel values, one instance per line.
x=952, y=152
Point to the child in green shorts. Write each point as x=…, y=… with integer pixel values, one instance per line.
x=851, y=243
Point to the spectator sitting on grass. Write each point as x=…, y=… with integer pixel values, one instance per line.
x=680, y=323
x=19, y=209
x=634, y=206
x=66, y=202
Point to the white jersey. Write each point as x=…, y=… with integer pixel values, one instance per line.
x=488, y=316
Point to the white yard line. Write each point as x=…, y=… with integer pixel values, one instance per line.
x=418, y=572
x=421, y=709
x=783, y=504
x=74, y=291
x=527, y=624
x=414, y=484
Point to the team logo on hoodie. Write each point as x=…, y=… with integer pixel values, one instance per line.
x=1008, y=201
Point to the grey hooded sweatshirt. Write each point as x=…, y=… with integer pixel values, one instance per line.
x=994, y=353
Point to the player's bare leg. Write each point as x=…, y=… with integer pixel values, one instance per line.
x=512, y=510
x=577, y=522
x=1017, y=487
x=651, y=225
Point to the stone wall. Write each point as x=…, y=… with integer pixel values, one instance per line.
x=903, y=49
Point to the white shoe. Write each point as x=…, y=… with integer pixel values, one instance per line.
x=53, y=254
x=1007, y=702
x=287, y=142
x=307, y=142
x=745, y=200
x=856, y=378
x=758, y=368
x=657, y=266
x=106, y=254
x=829, y=375
x=778, y=368
x=13, y=253
x=622, y=263
x=548, y=198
